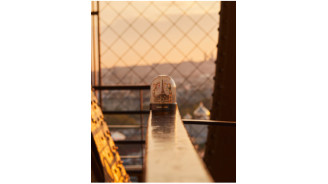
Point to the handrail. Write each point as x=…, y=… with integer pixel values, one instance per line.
x=208, y=122
x=185, y=121
x=121, y=87
x=130, y=142
x=127, y=112
x=170, y=155
x=125, y=126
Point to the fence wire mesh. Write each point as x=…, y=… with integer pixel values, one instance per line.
x=140, y=40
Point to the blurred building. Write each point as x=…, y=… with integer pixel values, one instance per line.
x=201, y=112
x=187, y=116
x=117, y=136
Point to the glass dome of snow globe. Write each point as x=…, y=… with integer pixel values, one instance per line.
x=163, y=93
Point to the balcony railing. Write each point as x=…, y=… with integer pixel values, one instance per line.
x=169, y=153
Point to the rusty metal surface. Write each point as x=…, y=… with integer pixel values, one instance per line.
x=113, y=168
x=220, y=153
x=170, y=155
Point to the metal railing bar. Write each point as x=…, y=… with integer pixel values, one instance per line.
x=99, y=57
x=122, y=87
x=132, y=172
x=208, y=122
x=131, y=169
x=131, y=156
x=126, y=126
x=127, y=112
x=130, y=142
x=141, y=127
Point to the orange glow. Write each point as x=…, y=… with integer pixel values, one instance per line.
x=141, y=33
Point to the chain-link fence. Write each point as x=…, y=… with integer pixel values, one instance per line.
x=140, y=40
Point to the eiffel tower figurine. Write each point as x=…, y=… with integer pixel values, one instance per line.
x=163, y=97
x=163, y=101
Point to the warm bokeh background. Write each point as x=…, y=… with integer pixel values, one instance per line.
x=143, y=33
x=141, y=40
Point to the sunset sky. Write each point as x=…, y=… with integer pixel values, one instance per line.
x=121, y=24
